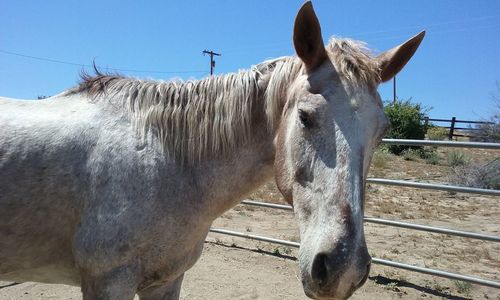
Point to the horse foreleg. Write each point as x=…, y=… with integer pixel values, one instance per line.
x=118, y=284
x=169, y=291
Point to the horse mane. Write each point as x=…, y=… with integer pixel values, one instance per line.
x=354, y=61
x=197, y=119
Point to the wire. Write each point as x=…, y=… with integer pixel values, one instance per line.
x=90, y=66
x=430, y=28
x=273, y=46
x=428, y=25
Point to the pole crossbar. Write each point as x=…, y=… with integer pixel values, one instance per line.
x=212, y=61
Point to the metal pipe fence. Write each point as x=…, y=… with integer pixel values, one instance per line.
x=426, y=228
x=375, y=260
x=393, y=223
x=466, y=234
x=434, y=186
x=441, y=143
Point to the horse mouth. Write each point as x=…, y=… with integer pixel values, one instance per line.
x=365, y=278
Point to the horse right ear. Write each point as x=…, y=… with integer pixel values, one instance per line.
x=392, y=61
x=307, y=38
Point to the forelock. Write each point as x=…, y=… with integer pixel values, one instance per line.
x=354, y=61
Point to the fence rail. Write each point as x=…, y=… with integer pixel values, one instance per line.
x=453, y=121
x=458, y=121
x=460, y=233
x=434, y=186
x=454, y=144
x=375, y=260
x=411, y=184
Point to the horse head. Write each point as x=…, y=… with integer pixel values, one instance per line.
x=331, y=124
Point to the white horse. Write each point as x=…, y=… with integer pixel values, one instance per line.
x=113, y=185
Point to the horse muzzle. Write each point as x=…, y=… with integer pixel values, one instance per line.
x=336, y=274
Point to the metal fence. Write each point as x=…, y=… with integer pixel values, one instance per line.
x=411, y=184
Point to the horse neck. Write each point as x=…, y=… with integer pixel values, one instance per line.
x=225, y=181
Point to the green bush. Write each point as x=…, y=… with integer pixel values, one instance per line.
x=437, y=133
x=411, y=154
x=463, y=287
x=458, y=158
x=406, y=123
x=430, y=156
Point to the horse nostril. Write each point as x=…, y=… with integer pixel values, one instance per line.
x=319, y=271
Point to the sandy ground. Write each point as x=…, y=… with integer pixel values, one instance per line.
x=235, y=268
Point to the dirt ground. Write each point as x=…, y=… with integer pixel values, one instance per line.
x=235, y=268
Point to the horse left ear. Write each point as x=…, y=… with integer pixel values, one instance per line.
x=393, y=61
x=307, y=38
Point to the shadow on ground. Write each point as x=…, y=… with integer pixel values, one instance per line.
x=378, y=279
x=401, y=283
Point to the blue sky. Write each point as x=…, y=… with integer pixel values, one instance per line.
x=455, y=71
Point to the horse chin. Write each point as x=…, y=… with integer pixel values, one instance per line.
x=326, y=293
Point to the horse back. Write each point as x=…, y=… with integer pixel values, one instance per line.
x=44, y=146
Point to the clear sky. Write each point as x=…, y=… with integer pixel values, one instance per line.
x=455, y=71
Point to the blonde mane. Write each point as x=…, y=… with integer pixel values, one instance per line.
x=354, y=61
x=212, y=116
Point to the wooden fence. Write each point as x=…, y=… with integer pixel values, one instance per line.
x=453, y=125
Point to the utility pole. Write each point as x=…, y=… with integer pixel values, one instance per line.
x=212, y=61
x=394, y=90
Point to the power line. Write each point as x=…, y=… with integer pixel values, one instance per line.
x=279, y=45
x=435, y=31
x=429, y=25
x=90, y=66
x=431, y=28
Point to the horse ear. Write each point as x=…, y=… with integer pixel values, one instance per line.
x=307, y=38
x=392, y=61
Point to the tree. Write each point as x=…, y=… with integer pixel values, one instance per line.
x=406, y=123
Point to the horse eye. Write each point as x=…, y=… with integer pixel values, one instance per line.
x=305, y=118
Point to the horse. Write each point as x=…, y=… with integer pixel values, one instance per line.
x=112, y=185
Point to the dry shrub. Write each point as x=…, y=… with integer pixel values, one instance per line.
x=479, y=176
x=458, y=158
x=487, y=132
x=380, y=159
x=490, y=132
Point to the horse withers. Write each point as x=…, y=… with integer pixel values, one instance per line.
x=113, y=185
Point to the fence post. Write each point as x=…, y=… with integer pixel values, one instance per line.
x=426, y=123
x=452, y=128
